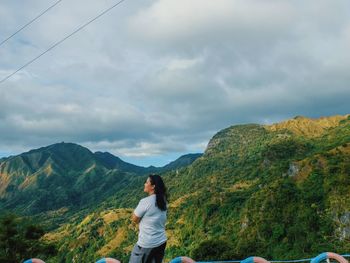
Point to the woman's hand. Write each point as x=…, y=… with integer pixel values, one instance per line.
x=135, y=218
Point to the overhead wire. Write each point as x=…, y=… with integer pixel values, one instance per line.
x=30, y=22
x=62, y=40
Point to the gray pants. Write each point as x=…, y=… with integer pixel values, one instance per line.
x=147, y=255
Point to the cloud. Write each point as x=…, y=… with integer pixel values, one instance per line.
x=159, y=77
x=182, y=64
x=210, y=21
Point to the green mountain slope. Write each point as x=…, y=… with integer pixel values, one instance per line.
x=180, y=162
x=112, y=162
x=64, y=176
x=271, y=191
x=60, y=175
x=280, y=191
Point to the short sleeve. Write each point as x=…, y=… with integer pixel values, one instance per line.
x=141, y=209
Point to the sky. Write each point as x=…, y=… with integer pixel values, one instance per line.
x=152, y=80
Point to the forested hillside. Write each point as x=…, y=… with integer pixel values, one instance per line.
x=67, y=176
x=280, y=191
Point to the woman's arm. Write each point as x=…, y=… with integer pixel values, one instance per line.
x=135, y=218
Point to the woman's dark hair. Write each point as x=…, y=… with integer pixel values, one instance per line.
x=160, y=191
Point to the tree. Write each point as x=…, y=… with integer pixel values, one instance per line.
x=20, y=239
x=215, y=249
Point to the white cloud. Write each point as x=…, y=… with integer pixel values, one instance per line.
x=161, y=76
x=168, y=20
x=182, y=64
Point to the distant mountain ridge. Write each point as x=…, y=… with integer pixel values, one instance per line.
x=308, y=127
x=279, y=191
x=113, y=162
x=182, y=161
x=66, y=174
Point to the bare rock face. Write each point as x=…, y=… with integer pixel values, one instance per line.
x=344, y=228
x=293, y=169
x=213, y=143
x=308, y=127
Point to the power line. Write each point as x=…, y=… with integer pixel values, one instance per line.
x=31, y=21
x=62, y=40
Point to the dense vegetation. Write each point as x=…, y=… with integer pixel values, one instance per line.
x=67, y=175
x=279, y=192
x=20, y=239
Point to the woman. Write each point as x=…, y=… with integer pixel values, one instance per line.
x=151, y=213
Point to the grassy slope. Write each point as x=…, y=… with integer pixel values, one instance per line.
x=277, y=192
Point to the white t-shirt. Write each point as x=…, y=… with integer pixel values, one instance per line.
x=152, y=224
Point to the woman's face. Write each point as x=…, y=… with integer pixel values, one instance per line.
x=149, y=188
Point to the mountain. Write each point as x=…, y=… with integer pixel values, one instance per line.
x=60, y=175
x=112, y=162
x=279, y=191
x=308, y=127
x=182, y=161
x=64, y=175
